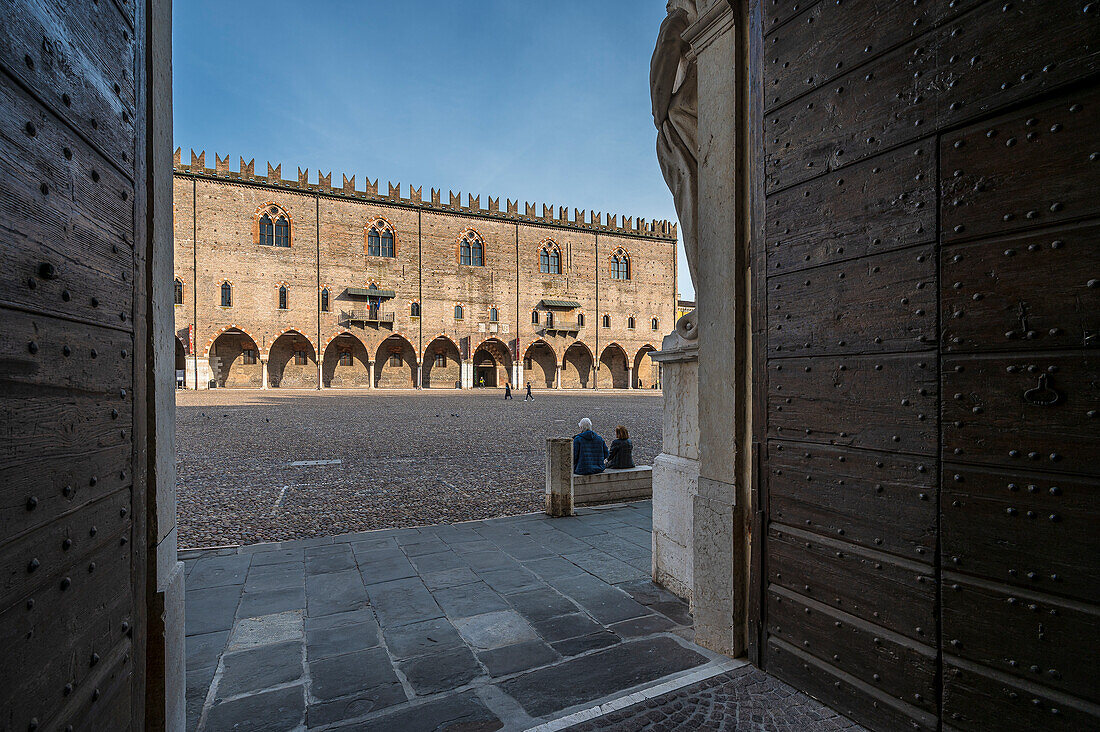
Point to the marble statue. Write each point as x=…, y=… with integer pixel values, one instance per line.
x=675, y=93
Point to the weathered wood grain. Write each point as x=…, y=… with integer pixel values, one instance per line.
x=1051, y=640
x=880, y=500
x=46, y=351
x=80, y=57
x=1033, y=167
x=1028, y=530
x=884, y=302
x=886, y=402
x=991, y=301
x=1036, y=411
x=881, y=204
x=879, y=588
x=777, y=12
x=897, y=666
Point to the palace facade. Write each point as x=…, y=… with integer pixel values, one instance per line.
x=295, y=284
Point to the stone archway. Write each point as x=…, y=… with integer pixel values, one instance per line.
x=442, y=364
x=181, y=364
x=540, y=365
x=235, y=360
x=292, y=362
x=492, y=364
x=613, y=368
x=576, y=367
x=395, y=364
x=645, y=369
x=344, y=365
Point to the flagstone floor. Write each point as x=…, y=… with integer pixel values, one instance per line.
x=507, y=623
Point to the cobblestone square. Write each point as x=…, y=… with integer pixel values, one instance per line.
x=277, y=465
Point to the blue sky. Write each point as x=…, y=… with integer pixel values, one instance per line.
x=544, y=102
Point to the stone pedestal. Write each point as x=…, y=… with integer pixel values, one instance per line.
x=559, y=476
x=676, y=469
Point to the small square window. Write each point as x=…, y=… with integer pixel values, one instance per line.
x=395, y=359
x=345, y=358
x=440, y=359
x=300, y=358
x=248, y=356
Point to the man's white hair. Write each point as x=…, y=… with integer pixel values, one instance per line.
x=585, y=424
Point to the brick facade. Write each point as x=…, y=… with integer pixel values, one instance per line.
x=253, y=342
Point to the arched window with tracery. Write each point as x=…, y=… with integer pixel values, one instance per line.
x=471, y=250
x=550, y=258
x=271, y=226
x=619, y=265
x=380, y=240
x=267, y=231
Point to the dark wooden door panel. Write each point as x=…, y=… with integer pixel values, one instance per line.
x=1055, y=642
x=79, y=57
x=881, y=204
x=883, y=302
x=975, y=698
x=879, y=500
x=1032, y=531
x=1033, y=167
x=898, y=666
x=779, y=11
x=829, y=39
x=848, y=695
x=1037, y=411
x=886, y=402
x=883, y=590
x=991, y=300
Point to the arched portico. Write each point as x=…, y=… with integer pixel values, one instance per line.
x=576, y=367
x=613, y=370
x=395, y=364
x=346, y=363
x=292, y=362
x=442, y=364
x=235, y=360
x=492, y=363
x=644, y=374
x=181, y=364
x=540, y=365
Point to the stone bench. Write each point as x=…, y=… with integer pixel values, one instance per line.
x=564, y=490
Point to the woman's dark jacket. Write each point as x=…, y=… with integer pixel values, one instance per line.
x=621, y=455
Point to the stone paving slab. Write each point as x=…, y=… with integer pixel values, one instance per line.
x=476, y=626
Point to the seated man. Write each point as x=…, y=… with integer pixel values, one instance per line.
x=622, y=452
x=589, y=450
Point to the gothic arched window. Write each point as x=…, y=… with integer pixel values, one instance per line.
x=494, y=315
x=414, y=310
x=282, y=232
x=282, y=297
x=178, y=291
x=619, y=267
x=535, y=316
x=550, y=258
x=227, y=295
x=380, y=240
x=630, y=322
x=267, y=231
x=459, y=312
x=655, y=324
x=324, y=300
x=471, y=250
x=607, y=321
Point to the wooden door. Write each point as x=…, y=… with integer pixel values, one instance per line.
x=72, y=563
x=926, y=270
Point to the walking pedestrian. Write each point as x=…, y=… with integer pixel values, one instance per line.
x=529, y=395
x=507, y=389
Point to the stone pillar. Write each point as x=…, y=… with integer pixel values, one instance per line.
x=596, y=376
x=557, y=376
x=629, y=377
x=263, y=373
x=720, y=509
x=518, y=368
x=676, y=469
x=370, y=374
x=320, y=375
x=420, y=376
x=559, y=476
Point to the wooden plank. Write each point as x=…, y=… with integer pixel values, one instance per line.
x=1025, y=529
x=902, y=668
x=44, y=351
x=886, y=402
x=60, y=548
x=81, y=60
x=972, y=696
x=56, y=487
x=885, y=302
x=777, y=12
x=855, y=118
x=1035, y=411
x=879, y=588
x=58, y=633
x=879, y=500
x=881, y=204
x=984, y=192
x=842, y=692
x=830, y=38
x=991, y=300
x=1050, y=642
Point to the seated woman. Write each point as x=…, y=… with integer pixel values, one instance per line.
x=589, y=450
x=622, y=452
